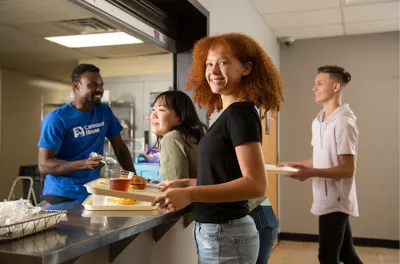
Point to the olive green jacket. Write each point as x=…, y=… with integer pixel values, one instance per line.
x=178, y=157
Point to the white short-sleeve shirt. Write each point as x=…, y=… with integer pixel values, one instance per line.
x=338, y=135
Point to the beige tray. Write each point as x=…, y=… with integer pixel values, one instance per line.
x=105, y=205
x=102, y=187
x=279, y=170
x=113, y=213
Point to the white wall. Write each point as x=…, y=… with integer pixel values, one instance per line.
x=373, y=94
x=20, y=121
x=240, y=16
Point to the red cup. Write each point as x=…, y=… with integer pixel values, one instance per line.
x=120, y=184
x=119, y=180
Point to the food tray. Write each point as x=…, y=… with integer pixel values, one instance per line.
x=126, y=213
x=40, y=222
x=279, y=170
x=105, y=205
x=102, y=187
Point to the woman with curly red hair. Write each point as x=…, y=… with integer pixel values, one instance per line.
x=232, y=73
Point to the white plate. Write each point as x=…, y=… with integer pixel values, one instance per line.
x=279, y=170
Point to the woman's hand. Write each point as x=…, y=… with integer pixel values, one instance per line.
x=174, y=199
x=165, y=185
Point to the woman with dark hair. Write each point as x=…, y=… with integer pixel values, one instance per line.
x=230, y=72
x=178, y=128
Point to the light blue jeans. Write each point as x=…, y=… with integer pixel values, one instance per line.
x=235, y=242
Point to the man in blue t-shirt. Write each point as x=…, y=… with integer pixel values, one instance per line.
x=70, y=133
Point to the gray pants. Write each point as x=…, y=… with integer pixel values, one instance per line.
x=235, y=242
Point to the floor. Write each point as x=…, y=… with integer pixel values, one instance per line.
x=288, y=252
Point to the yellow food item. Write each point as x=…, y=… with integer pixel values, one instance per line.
x=124, y=201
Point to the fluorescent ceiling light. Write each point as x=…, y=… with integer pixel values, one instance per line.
x=94, y=40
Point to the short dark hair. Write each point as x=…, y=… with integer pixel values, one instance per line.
x=336, y=72
x=80, y=69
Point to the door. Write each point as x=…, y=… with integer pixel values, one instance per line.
x=269, y=147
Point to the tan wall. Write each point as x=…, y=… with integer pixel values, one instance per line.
x=1, y=89
x=55, y=70
x=373, y=94
x=20, y=122
x=156, y=64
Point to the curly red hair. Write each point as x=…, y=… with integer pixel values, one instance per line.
x=263, y=86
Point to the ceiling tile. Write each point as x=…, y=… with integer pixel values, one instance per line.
x=45, y=29
x=363, y=2
x=12, y=40
x=48, y=55
x=311, y=32
x=15, y=42
x=304, y=19
x=385, y=11
x=372, y=27
x=36, y=11
x=285, y=6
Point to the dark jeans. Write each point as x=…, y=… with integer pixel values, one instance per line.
x=335, y=240
x=267, y=227
x=54, y=199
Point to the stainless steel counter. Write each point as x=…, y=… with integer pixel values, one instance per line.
x=83, y=232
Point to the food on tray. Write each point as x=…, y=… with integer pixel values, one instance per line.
x=138, y=182
x=124, y=201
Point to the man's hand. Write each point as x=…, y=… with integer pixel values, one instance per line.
x=303, y=174
x=94, y=162
x=285, y=164
x=48, y=164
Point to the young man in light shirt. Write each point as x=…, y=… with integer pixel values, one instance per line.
x=332, y=167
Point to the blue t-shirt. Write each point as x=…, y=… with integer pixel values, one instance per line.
x=74, y=134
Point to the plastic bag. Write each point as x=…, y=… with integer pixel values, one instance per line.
x=106, y=160
x=20, y=210
x=152, y=155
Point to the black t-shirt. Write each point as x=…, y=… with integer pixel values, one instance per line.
x=217, y=160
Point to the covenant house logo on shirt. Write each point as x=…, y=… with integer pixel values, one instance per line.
x=87, y=130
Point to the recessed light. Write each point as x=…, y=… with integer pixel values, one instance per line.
x=94, y=40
